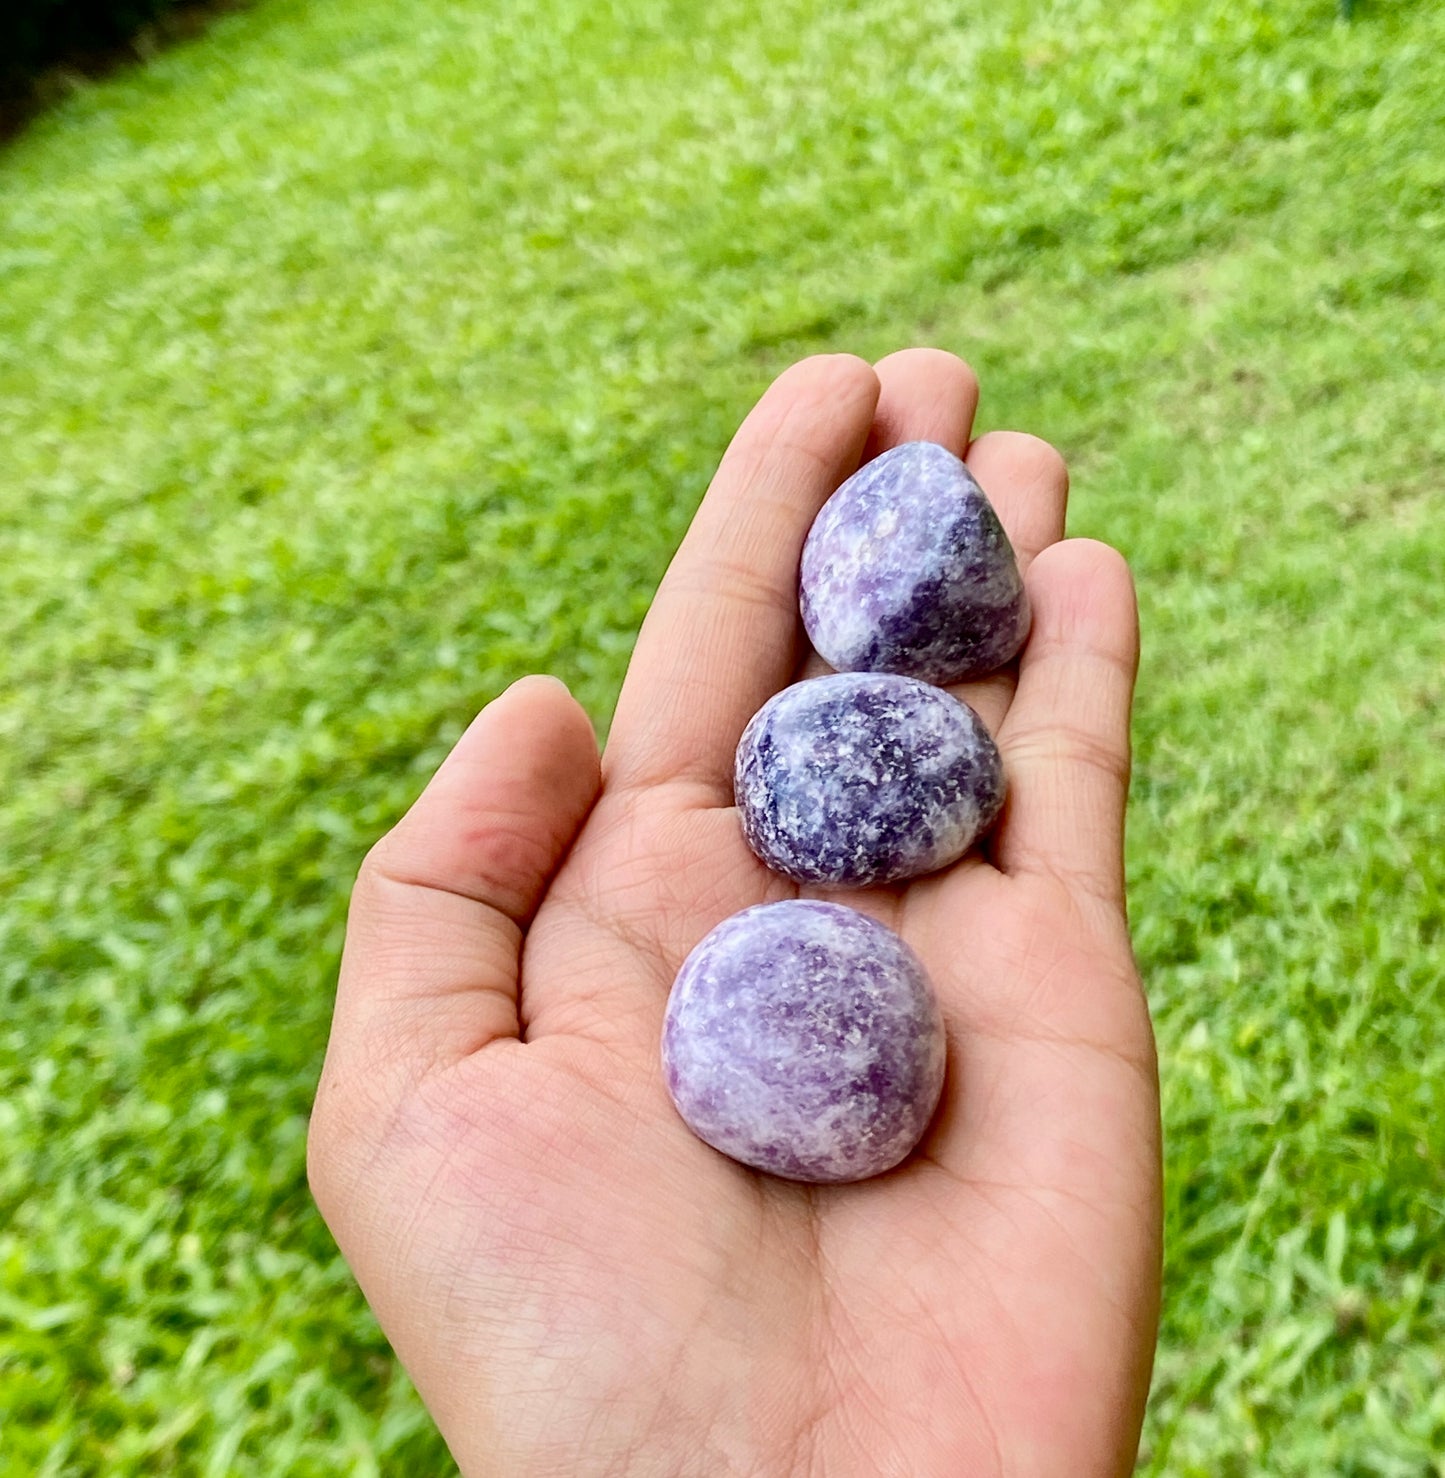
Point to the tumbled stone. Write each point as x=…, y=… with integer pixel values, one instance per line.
x=862, y=778
x=804, y=1039
x=907, y=569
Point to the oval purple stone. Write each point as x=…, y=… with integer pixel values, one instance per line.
x=804, y=1039
x=863, y=778
x=907, y=569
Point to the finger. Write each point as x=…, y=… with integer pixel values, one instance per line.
x=1027, y=482
x=924, y=395
x=722, y=633
x=429, y=972
x=1065, y=741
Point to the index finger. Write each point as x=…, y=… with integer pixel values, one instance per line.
x=722, y=634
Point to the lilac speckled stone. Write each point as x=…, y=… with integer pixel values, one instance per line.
x=864, y=777
x=804, y=1039
x=907, y=569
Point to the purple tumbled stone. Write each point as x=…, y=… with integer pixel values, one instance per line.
x=864, y=777
x=907, y=569
x=804, y=1039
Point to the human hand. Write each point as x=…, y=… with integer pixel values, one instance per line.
x=575, y=1283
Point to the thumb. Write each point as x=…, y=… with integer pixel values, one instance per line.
x=430, y=969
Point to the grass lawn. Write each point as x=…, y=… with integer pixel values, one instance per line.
x=358, y=358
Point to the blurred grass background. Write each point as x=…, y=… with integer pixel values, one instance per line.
x=356, y=359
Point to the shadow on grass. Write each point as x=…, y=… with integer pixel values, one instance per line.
x=24, y=97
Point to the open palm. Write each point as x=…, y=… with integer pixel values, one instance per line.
x=576, y=1284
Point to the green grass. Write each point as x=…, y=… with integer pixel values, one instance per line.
x=359, y=358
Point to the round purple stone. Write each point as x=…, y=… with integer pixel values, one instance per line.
x=804, y=1039
x=907, y=569
x=863, y=778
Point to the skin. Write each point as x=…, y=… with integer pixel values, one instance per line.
x=577, y=1285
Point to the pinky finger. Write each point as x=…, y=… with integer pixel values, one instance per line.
x=1065, y=740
